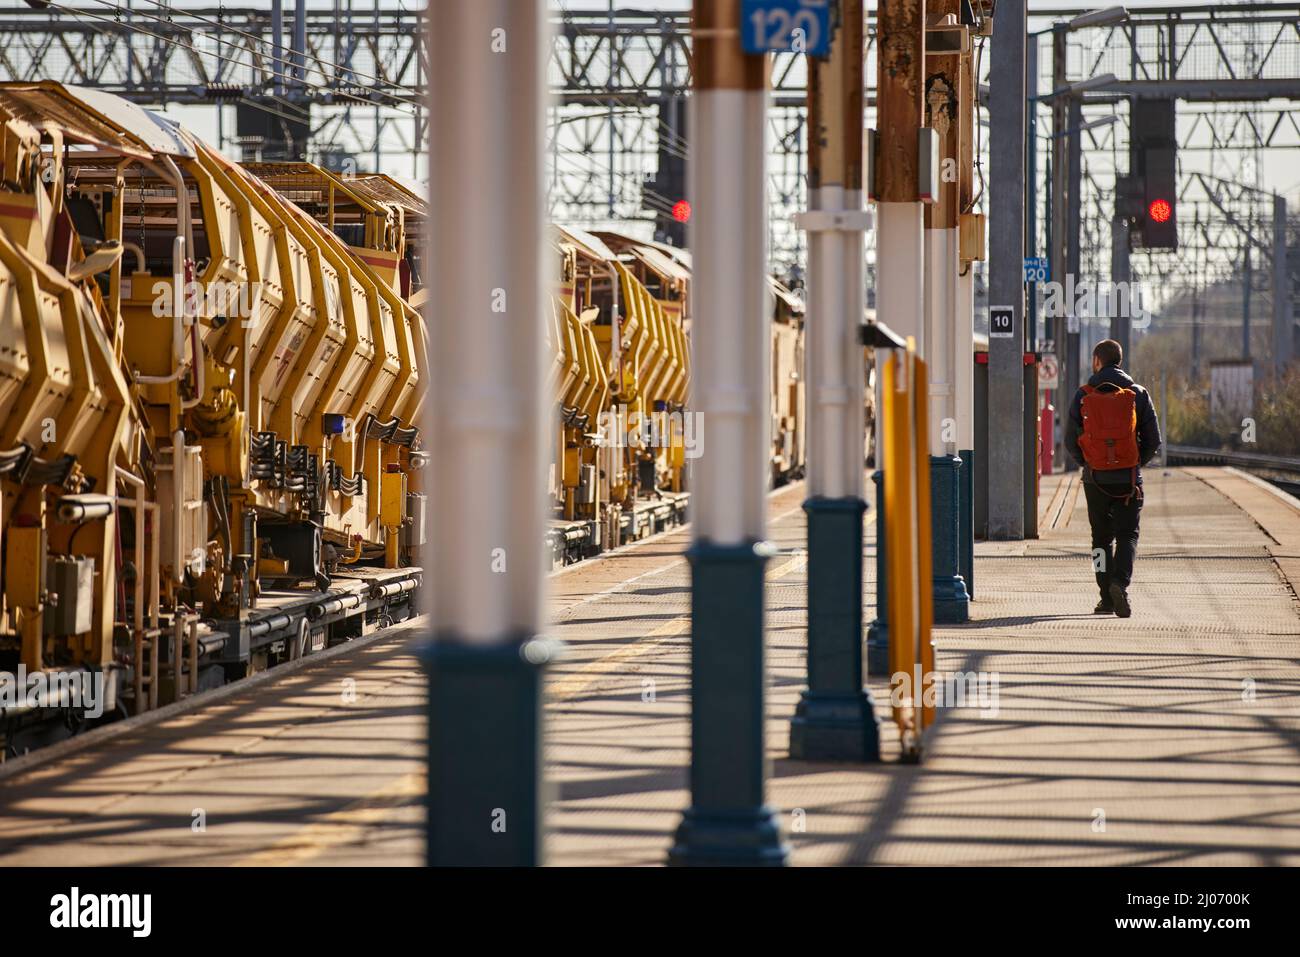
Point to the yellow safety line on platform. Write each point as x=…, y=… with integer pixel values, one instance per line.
x=348, y=824
x=624, y=550
x=585, y=677
x=343, y=826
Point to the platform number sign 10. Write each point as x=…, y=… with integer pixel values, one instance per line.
x=1002, y=322
x=792, y=26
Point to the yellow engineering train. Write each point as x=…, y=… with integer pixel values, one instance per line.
x=207, y=397
x=211, y=381
x=622, y=318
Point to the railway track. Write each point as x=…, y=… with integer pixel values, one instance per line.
x=1282, y=471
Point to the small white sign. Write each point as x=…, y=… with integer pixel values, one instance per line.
x=1002, y=322
x=1049, y=373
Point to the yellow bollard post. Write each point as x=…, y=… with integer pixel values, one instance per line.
x=899, y=541
x=924, y=553
x=907, y=544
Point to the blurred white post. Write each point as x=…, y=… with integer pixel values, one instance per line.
x=732, y=302
x=486, y=413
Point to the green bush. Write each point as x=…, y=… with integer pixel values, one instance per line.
x=1277, y=416
x=1187, y=419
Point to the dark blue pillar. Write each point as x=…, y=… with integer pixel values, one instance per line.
x=728, y=822
x=835, y=719
x=951, y=601
x=878, y=633
x=968, y=520
x=485, y=756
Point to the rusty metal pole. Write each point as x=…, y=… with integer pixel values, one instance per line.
x=900, y=106
x=945, y=41
x=942, y=114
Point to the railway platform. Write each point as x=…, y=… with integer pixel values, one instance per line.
x=1166, y=738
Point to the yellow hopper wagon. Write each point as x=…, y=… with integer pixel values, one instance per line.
x=658, y=291
x=788, y=389
x=620, y=374
x=209, y=403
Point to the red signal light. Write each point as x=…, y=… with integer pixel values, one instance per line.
x=681, y=211
x=1160, y=210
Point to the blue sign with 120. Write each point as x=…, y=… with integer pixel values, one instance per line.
x=1037, y=269
x=795, y=26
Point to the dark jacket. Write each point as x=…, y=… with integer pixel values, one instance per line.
x=1148, y=428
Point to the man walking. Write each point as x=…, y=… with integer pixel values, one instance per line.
x=1112, y=432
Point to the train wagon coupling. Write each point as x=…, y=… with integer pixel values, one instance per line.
x=289, y=624
x=570, y=541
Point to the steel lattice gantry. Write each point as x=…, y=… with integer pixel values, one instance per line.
x=1235, y=72
x=360, y=84
x=155, y=53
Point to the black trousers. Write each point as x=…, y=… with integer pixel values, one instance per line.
x=1114, y=536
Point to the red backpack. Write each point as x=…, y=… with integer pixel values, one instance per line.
x=1109, y=439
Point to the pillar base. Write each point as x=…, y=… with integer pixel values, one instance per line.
x=951, y=600
x=951, y=603
x=746, y=838
x=720, y=839
x=728, y=822
x=484, y=798
x=829, y=727
x=835, y=719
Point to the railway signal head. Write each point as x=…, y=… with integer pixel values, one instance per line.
x=1153, y=162
x=662, y=192
x=1160, y=231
